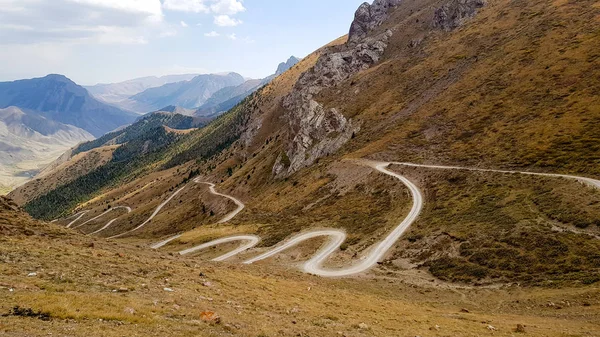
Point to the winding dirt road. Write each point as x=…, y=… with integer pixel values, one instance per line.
x=240, y=206
x=371, y=256
x=156, y=211
x=128, y=209
x=588, y=181
x=375, y=253
x=78, y=215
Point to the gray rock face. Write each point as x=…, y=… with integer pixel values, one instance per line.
x=453, y=14
x=315, y=132
x=367, y=17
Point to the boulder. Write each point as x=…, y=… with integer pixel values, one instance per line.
x=210, y=317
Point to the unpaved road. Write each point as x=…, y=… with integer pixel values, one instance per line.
x=128, y=209
x=240, y=206
x=375, y=253
x=336, y=237
x=156, y=211
x=228, y=217
x=588, y=181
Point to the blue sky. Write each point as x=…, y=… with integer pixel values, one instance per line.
x=102, y=41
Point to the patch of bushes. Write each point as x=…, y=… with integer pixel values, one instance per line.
x=457, y=270
x=28, y=312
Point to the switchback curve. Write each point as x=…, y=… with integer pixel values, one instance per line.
x=336, y=237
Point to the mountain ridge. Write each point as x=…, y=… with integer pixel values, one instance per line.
x=28, y=142
x=228, y=97
x=115, y=93
x=58, y=98
x=186, y=94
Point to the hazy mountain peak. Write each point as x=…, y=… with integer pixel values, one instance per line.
x=28, y=142
x=57, y=77
x=284, y=66
x=59, y=99
x=185, y=94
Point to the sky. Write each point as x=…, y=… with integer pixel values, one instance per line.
x=108, y=41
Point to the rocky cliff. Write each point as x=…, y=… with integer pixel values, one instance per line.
x=451, y=15
x=313, y=131
x=367, y=17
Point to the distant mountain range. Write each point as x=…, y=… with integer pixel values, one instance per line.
x=59, y=99
x=41, y=118
x=185, y=94
x=28, y=142
x=115, y=93
x=226, y=98
x=208, y=94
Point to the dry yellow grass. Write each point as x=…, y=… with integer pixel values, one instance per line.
x=62, y=173
x=481, y=95
x=92, y=287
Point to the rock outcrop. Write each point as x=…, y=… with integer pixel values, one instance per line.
x=455, y=12
x=367, y=17
x=315, y=132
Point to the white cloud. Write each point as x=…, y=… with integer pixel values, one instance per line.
x=34, y=60
x=212, y=34
x=196, y=6
x=220, y=7
x=228, y=7
x=26, y=22
x=248, y=40
x=168, y=31
x=151, y=7
x=183, y=24
x=232, y=36
x=15, y=27
x=226, y=21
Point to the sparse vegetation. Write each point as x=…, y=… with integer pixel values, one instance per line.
x=87, y=285
x=129, y=158
x=489, y=227
x=28, y=313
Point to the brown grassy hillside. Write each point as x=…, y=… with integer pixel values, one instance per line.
x=62, y=173
x=514, y=87
x=54, y=281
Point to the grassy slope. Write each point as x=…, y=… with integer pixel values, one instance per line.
x=64, y=173
x=476, y=96
x=504, y=91
x=516, y=87
x=78, y=279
